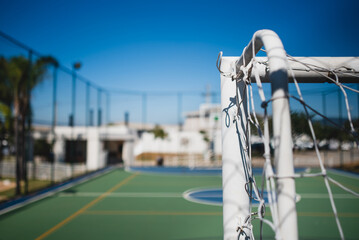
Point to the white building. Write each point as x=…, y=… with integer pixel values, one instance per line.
x=95, y=146
x=200, y=135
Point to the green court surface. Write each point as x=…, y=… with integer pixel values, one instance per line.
x=124, y=205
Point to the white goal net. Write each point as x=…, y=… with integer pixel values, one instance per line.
x=239, y=115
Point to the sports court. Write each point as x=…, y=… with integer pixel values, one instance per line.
x=149, y=204
x=179, y=120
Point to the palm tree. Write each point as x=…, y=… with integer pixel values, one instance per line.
x=5, y=96
x=18, y=77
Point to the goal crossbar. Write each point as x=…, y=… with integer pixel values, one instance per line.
x=311, y=69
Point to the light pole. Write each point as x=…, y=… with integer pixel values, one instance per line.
x=99, y=110
x=144, y=110
x=75, y=66
x=179, y=110
x=53, y=124
x=108, y=102
x=87, y=108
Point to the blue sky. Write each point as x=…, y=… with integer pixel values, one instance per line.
x=173, y=45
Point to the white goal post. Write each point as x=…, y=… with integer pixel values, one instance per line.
x=236, y=166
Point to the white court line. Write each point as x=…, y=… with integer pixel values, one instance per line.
x=344, y=173
x=326, y=196
x=123, y=194
x=186, y=195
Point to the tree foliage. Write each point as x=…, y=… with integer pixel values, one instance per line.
x=205, y=135
x=323, y=129
x=18, y=76
x=159, y=132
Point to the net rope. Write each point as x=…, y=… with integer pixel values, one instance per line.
x=268, y=175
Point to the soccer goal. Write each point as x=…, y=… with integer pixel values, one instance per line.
x=238, y=74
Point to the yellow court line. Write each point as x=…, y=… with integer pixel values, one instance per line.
x=156, y=213
x=87, y=206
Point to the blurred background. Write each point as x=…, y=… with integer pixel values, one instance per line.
x=85, y=85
